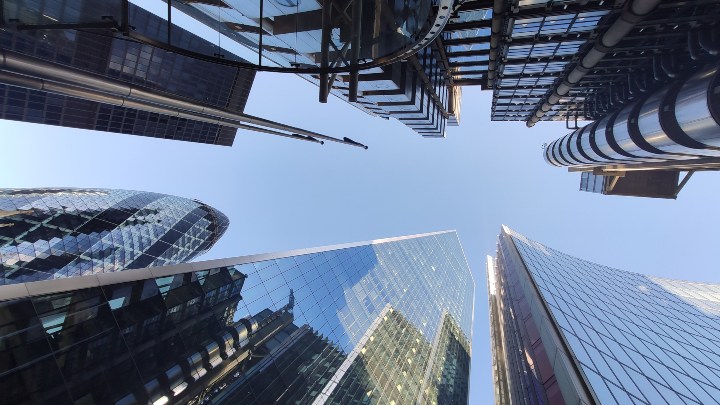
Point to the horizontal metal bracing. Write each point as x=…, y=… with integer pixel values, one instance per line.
x=469, y=73
x=467, y=41
x=476, y=5
x=474, y=63
x=480, y=52
x=583, y=36
x=468, y=25
x=470, y=82
x=565, y=10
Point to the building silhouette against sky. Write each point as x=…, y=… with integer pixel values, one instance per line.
x=68, y=232
x=86, y=51
x=565, y=330
x=602, y=61
x=387, y=321
x=74, y=64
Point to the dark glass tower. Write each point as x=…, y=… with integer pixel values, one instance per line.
x=568, y=331
x=382, y=322
x=94, y=51
x=59, y=233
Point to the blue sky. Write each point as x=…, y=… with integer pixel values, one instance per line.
x=283, y=194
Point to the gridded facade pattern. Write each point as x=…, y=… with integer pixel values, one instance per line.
x=450, y=366
x=522, y=365
x=282, y=330
x=98, y=52
x=58, y=233
x=415, y=93
x=636, y=339
x=540, y=49
x=390, y=362
x=111, y=344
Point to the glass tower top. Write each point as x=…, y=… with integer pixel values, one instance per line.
x=59, y=233
x=628, y=338
x=385, y=322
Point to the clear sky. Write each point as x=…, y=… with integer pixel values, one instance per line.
x=284, y=194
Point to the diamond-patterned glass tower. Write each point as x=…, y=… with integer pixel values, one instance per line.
x=381, y=322
x=568, y=331
x=57, y=233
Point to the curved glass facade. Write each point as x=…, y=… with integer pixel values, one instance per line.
x=627, y=337
x=385, y=322
x=58, y=233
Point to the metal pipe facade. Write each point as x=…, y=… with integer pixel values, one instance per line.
x=632, y=14
x=678, y=122
x=34, y=73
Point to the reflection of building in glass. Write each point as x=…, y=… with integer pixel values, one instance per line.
x=258, y=329
x=387, y=366
x=447, y=381
x=58, y=233
x=565, y=330
x=394, y=363
x=86, y=50
x=289, y=368
x=124, y=343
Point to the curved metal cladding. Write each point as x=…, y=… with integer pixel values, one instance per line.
x=57, y=233
x=587, y=144
x=558, y=153
x=574, y=147
x=549, y=158
x=678, y=122
x=661, y=128
x=697, y=108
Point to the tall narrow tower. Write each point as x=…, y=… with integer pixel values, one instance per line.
x=568, y=331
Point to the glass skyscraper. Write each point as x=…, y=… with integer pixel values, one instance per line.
x=381, y=322
x=95, y=51
x=565, y=330
x=60, y=233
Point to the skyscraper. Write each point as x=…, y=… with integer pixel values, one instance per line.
x=58, y=233
x=352, y=42
x=565, y=330
x=75, y=64
x=387, y=321
x=87, y=50
x=647, y=77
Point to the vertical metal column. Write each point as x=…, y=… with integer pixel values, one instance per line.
x=260, y=44
x=169, y=22
x=325, y=49
x=356, y=43
x=125, y=23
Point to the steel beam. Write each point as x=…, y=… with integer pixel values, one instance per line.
x=325, y=49
x=468, y=25
x=475, y=5
x=355, y=47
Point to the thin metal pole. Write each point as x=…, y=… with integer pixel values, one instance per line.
x=356, y=41
x=125, y=23
x=260, y=45
x=169, y=22
x=325, y=49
